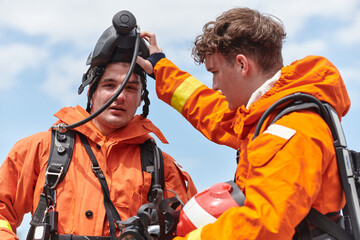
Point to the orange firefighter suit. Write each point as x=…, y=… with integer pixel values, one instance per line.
x=287, y=169
x=22, y=177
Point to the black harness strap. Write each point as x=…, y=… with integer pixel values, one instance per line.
x=302, y=231
x=58, y=164
x=111, y=212
x=324, y=223
x=148, y=152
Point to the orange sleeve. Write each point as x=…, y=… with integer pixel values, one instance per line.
x=203, y=107
x=18, y=175
x=177, y=179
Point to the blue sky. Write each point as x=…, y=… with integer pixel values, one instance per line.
x=44, y=46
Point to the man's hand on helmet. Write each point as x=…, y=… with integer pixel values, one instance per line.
x=155, y=53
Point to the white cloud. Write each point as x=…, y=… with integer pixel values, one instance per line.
x=294, y=50
x=63, y=79
x=17, y=58
x=350, y=34
x=350, y=76
x=296, y=14
x=82, y=22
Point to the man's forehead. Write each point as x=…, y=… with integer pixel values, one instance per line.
x=118, y=65
x=120, y=68
x=210, y=61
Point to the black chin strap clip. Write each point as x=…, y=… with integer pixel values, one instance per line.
x=94, y=75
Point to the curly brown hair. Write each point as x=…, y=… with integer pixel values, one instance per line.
x=243, y=31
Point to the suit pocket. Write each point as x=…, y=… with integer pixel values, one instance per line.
x=264, y=147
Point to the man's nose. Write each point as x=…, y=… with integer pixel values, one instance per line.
x=121, y=97
x=215, y=86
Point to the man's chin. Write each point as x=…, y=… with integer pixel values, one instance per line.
x=231, y=107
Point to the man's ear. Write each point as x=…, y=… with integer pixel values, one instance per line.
x=242, y=63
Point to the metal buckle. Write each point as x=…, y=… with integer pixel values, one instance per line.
x=97, y=171
x=57, y=174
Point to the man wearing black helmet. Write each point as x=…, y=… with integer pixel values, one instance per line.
x=88, y=204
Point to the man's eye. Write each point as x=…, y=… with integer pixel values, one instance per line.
x=131, y=87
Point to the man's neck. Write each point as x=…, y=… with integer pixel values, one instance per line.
x=267, y=84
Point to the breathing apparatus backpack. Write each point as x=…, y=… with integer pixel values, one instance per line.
x=348, y=162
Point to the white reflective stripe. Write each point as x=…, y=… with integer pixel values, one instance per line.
x=183, y=92
x=197, y=215
x=195, y=235
x=5, y=224
x=280, y=131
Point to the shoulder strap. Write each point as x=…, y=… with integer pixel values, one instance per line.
x=62, y=145
x=149, y=151
x=111, y=212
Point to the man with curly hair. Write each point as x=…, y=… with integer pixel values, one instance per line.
x=291, y=166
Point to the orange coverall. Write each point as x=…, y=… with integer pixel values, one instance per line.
x=283, y=172
x=22, y=177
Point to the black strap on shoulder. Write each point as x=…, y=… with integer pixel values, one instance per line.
x=62, y=145
x=327, y=225
x=148, y=152
x=294, y=102
x=61, y=151
x=302, y=231
x=111, y=212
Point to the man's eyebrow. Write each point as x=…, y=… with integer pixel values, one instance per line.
x=137, y=81
x=104, y=80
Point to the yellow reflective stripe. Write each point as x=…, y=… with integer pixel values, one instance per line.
x=183, y=92
x=195, y=235
x=5, y=224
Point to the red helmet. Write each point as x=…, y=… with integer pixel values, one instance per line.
x=207, y=206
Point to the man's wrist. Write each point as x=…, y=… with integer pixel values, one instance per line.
x=153, y=59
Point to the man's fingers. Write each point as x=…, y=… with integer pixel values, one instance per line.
x=145, y=64
x=150, y=38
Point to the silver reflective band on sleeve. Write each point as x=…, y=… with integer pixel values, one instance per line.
x=183, y=92
x=5, y=224
x=197, y=215
x=280, y=131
